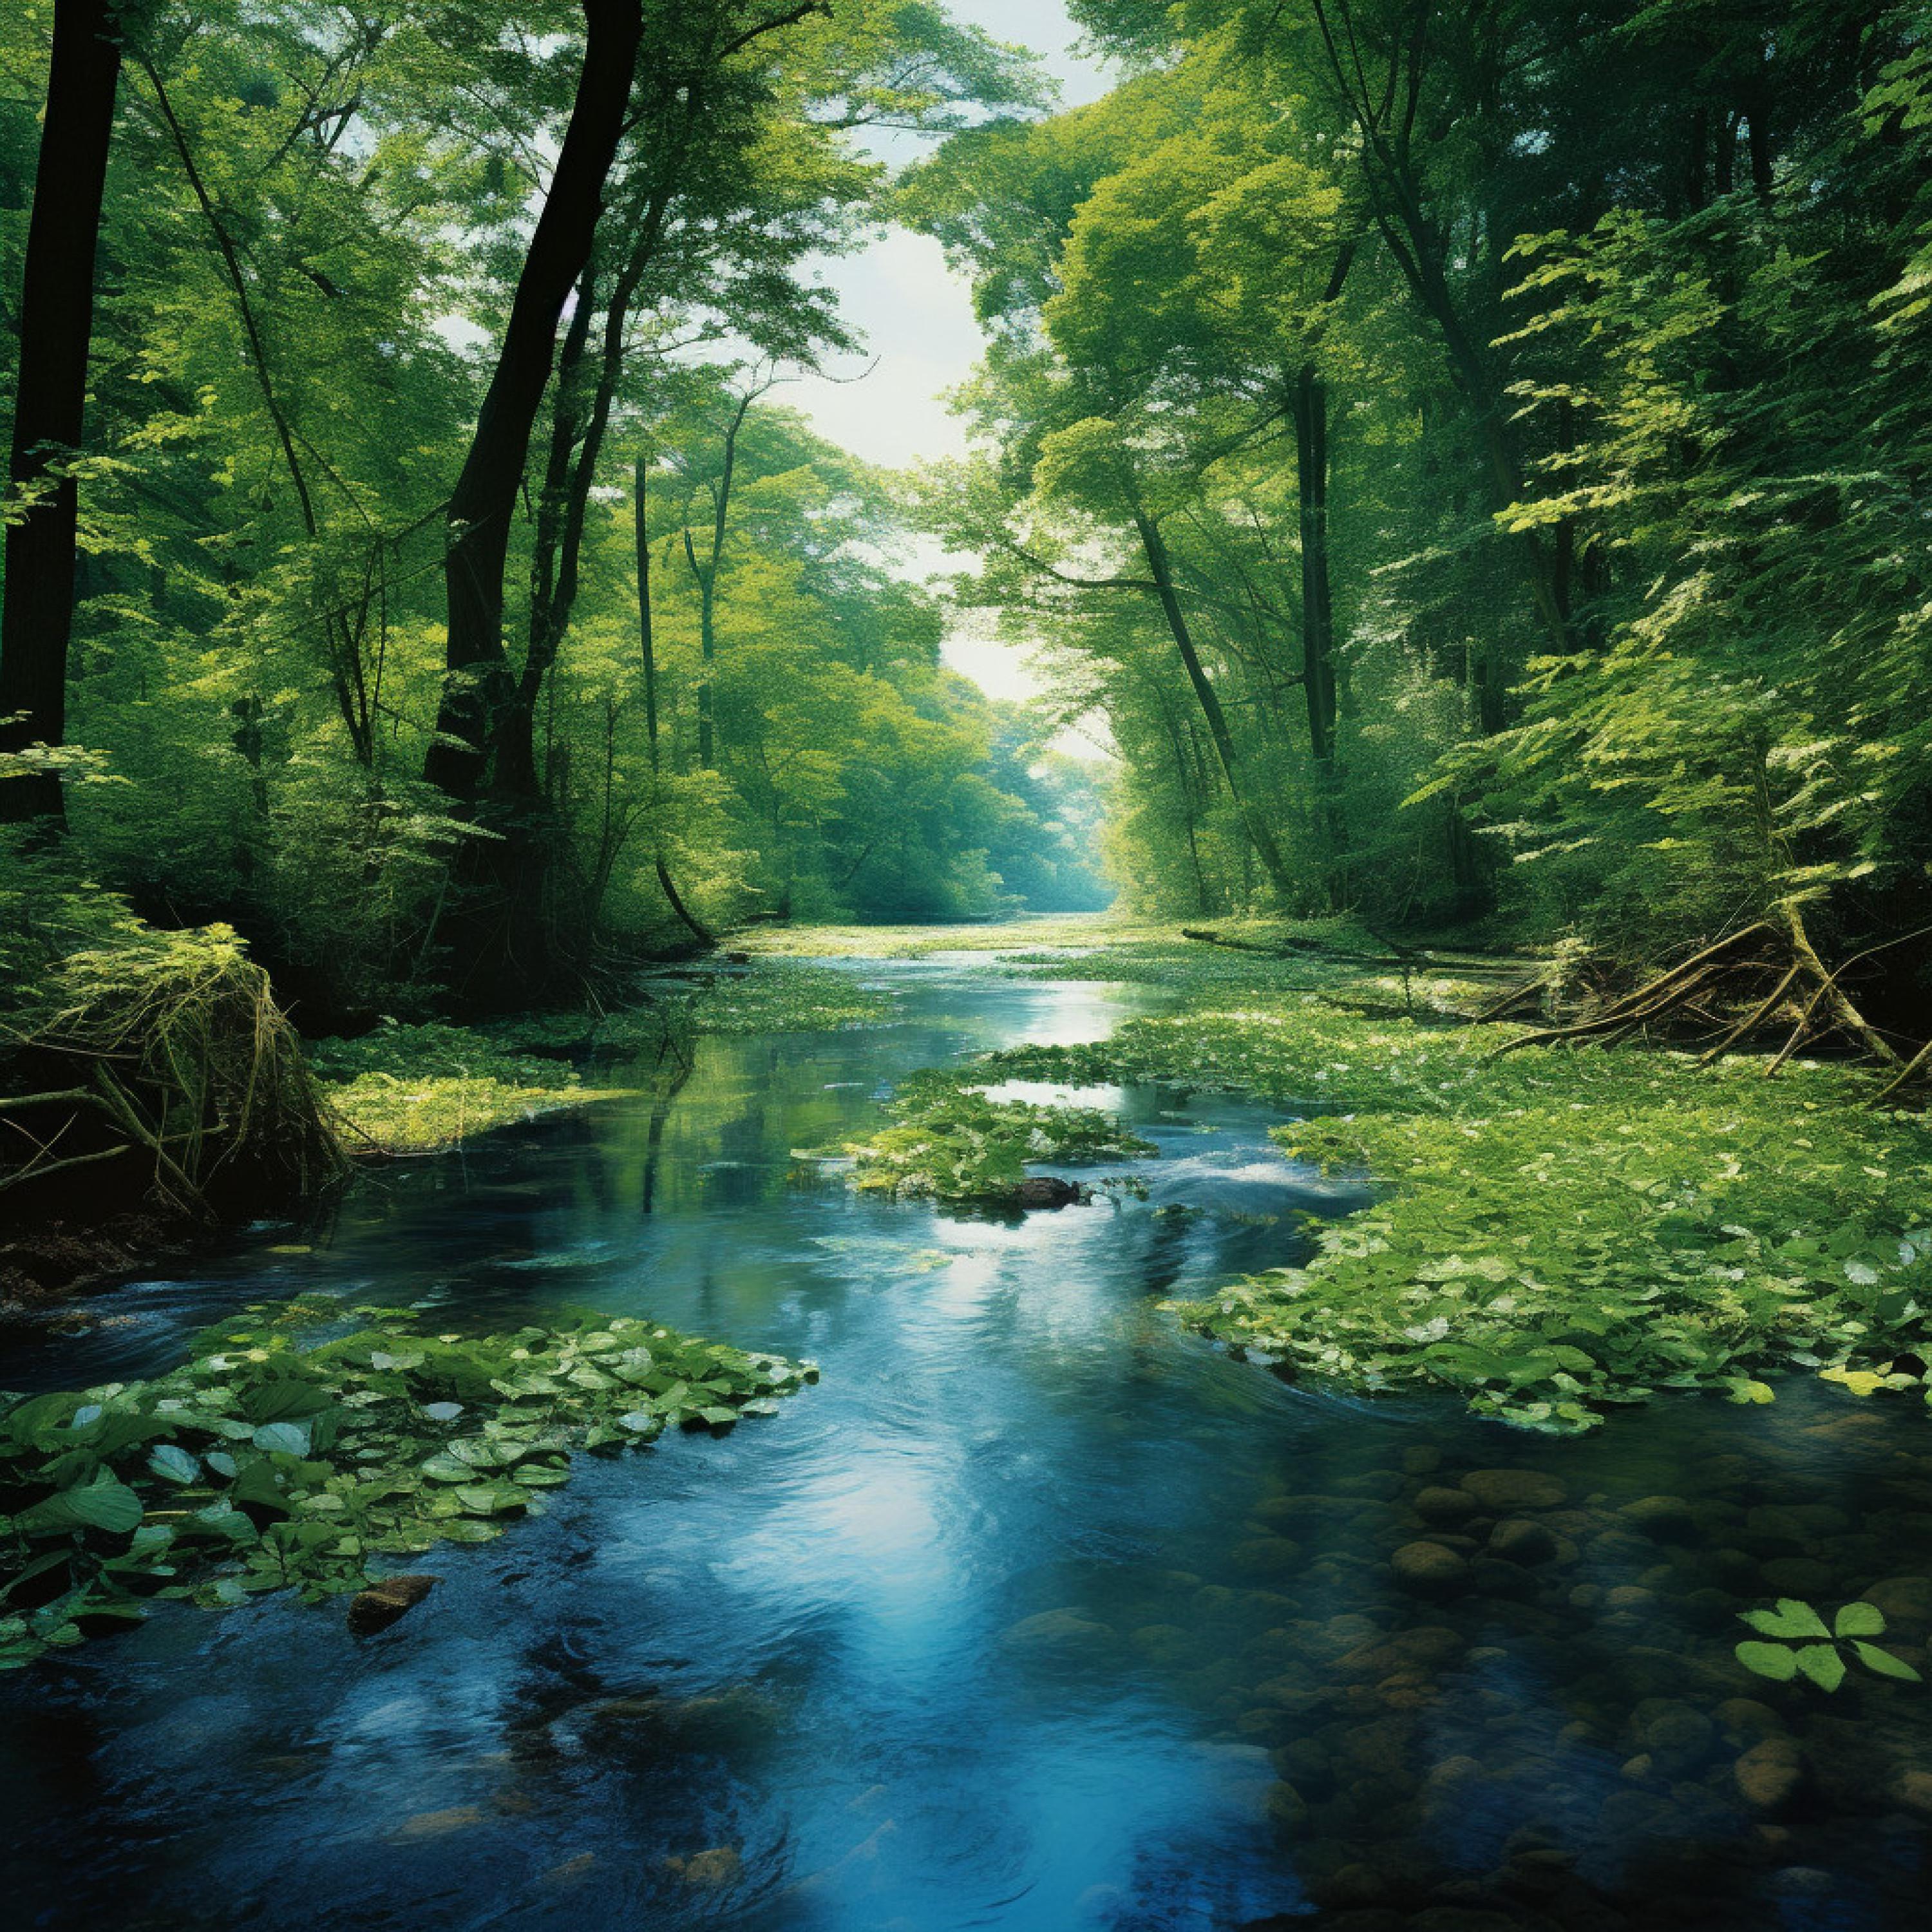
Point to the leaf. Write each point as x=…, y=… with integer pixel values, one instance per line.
x=288, y=1439
x=103, y=1504
x=1790, y=1619
x=1859, y=1620
x=174, y=1464
x=1774, y=1660
x=1822, y=1663
x=1885, y=1664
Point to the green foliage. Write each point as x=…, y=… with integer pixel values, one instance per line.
x=952, y=1143
x=1815, y=1651
x=779, y=995
x=296, y=1451
x=1562, y=1231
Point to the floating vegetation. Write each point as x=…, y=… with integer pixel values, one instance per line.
x=952, y=1143
x=1566, y=1230
x=1810, y=1648
x=283, y=1458
x=782, y=995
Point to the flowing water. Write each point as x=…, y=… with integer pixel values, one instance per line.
x=1037, y=1613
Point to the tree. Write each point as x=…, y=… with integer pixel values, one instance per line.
x=50, y=396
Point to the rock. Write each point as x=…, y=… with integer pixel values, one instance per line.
x=1428, y=1569
x=1058, y=1630
x=1491, y=1576
x=1904, y=1600
x=1518, y=1540
x=1638, y=1769
x=1745, y=1719
x=1506, y=1491
x=709, y=1871
x=1628, y=1597
x=378, y=1606
x=1265, y=1556
x=1803, y=1576
x=1286, y=1808
x=1421, y=1460
x=1676, y=1736
x=1048, y=1190
x=1428, y=1647
x=1912, y=1791
x=1769, y=1774
x=1444, y=1506
x=1162, y=1643
x=1666, y=1519
x=439, y=1824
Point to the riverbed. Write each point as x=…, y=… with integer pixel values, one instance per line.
x=1038, y=1612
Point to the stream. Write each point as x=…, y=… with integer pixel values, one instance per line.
x=1037, y=1613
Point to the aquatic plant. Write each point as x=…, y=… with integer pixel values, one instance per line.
x=784, y=995
x=1563, y=1230
x=283, y=1456
x=952, y=1142
x=1814, y=1651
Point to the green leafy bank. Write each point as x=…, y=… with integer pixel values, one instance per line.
x=1563, y=1231
x=282, y=1456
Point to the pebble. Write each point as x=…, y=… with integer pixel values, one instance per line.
x=1769, y=1774
x=1520, y=1540
x=1445, y=1506
x=1427, y=1568
x=1506, y=1491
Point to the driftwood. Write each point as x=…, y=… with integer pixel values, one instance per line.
x=1766, y=976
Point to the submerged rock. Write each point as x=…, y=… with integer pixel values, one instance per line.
x=1769, y=1774
x=378, y=1606
x=1428, y=1567
x=1506, y=1491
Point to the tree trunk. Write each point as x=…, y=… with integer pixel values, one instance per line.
x=476, y=684
x=1261, y=836
x=56, y=322
x=645, y=640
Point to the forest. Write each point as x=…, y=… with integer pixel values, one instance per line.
x=1456, y=475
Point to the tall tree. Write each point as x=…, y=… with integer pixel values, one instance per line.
x=50, y=396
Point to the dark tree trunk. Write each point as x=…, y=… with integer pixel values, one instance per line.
x=1261, y=834
x=476, y=684
x=56, y=322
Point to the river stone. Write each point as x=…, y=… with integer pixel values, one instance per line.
x=1421, y=1459
x=1798, y=1577
x=1286, y=1808
x=1665, y=1518
x=709, y=1871
x=1676, y=1736
x=1769, y=1774
x=1912, y=1789
x=1058, y=1630
x=1521, y=1541
x=1506, y=1491
x=1745, y=1718
x=378, y=1606
x=1428, y=1647
x=1265, y=1556
x=1427, y=1568
x=1904, y=1600
x=1444, y=1506
x=1047, y=1190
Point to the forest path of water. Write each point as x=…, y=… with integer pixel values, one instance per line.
x=1019, y=1619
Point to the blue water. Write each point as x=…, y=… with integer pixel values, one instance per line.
x=1018, y=1619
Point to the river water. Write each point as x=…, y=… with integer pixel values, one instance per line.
x=1036, y=1613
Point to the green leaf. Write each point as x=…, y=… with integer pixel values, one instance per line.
x=103, y=1504
x=1885, y=1664
x=1822, y=1663
x=1790, y=1619
x=1768, y=1659
x=1859, y=1620
x=173, y=1464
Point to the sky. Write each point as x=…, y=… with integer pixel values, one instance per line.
x=917, y=318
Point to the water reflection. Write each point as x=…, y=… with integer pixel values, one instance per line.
x=1035, y=1614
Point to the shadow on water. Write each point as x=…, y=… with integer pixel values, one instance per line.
x=1036, y=1614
